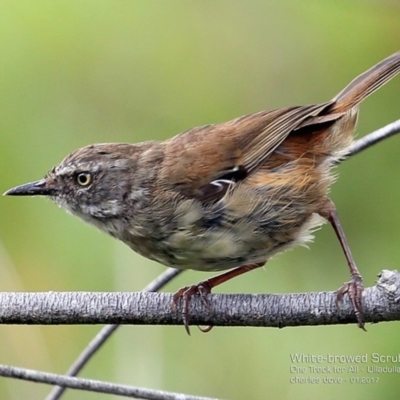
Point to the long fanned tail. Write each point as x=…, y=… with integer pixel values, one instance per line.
x=365, y=84
x=346, y=101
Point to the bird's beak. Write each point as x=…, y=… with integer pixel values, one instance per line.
x=37, y=188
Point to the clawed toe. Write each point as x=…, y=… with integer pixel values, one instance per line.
x=185, y=294
x=204, y=288
x=353, y=289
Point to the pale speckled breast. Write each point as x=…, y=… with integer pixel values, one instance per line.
x=247, y=226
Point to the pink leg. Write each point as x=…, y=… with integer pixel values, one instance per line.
x=203, y=288
x=354, y=287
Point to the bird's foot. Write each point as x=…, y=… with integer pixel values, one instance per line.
x=185, y=294
x=353, y=289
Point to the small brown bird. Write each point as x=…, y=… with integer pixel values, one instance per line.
x=223, y=196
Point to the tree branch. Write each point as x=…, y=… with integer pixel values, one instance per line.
x=381, y=303
x=92, y=385
x=373, y=138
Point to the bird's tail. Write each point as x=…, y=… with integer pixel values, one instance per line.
x=342, y=111
x=365, y=84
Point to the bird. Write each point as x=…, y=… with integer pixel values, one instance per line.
x=224, y=196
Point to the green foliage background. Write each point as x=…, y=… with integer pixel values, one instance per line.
x=81, y=71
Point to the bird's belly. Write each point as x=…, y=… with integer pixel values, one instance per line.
x=220, y=249
x=215, y=251
x=247, y=226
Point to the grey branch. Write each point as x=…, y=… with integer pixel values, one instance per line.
x=381, y=303
x=374, y=137
x=92, y=385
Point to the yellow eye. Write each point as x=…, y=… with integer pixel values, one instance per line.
x=84, y=178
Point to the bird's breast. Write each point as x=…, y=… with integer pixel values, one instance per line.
x=247, y=226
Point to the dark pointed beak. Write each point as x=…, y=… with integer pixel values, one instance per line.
x=37, y=188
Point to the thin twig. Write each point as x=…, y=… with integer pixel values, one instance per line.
x=374, y=138
x=93, y=385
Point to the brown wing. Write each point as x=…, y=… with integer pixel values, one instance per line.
x=265, y=131
x=200, y=162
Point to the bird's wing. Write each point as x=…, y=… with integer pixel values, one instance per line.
x=202, y=162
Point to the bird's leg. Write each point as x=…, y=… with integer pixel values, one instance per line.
x=204, y=288
x=355, y=286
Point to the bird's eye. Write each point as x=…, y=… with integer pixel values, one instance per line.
x=84, y=178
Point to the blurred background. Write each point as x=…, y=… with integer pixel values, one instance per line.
x=78, y=72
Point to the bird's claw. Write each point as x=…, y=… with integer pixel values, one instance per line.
x=353, y=289
x=185, y=294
